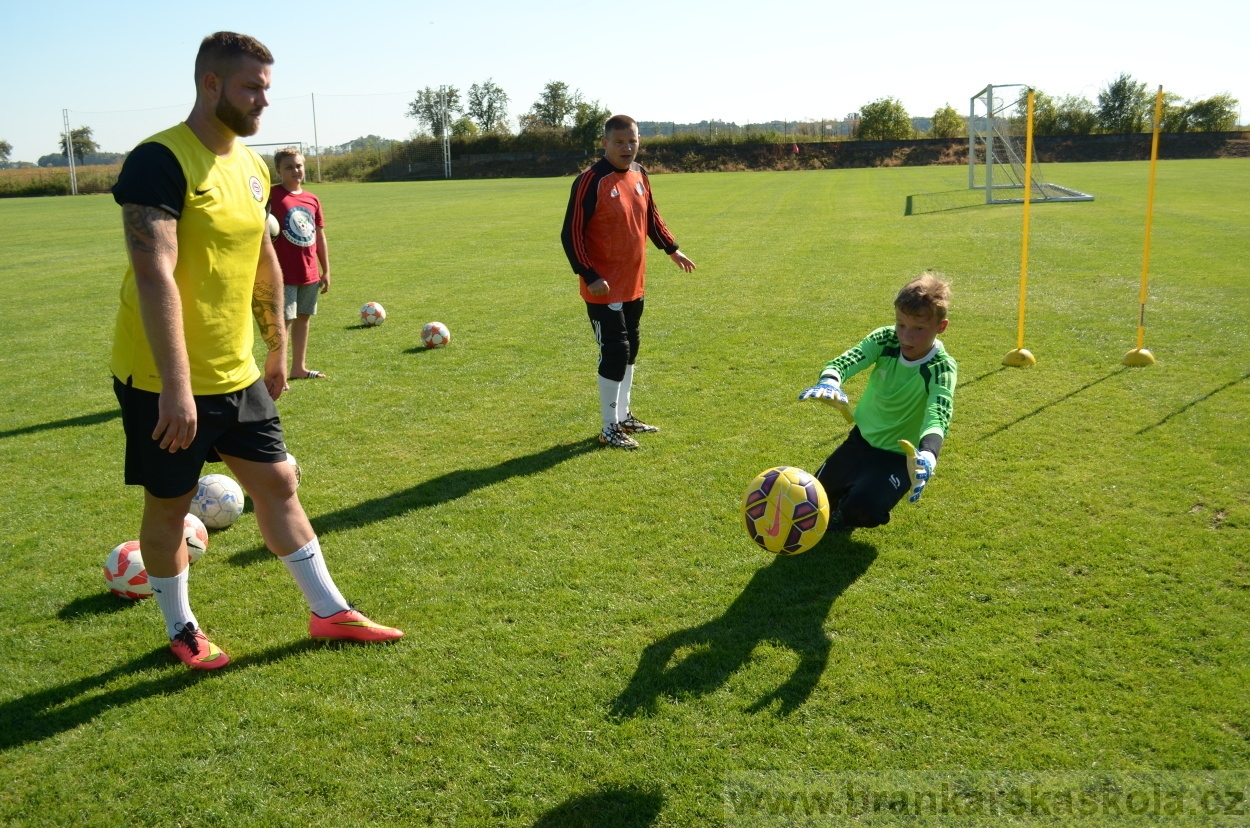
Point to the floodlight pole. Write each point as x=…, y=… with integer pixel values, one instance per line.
x=69, y=153
x=316, y=141
x=1139, y=356
x=1020, y=357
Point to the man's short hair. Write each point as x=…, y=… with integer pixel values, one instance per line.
x=618, y=122
x=285, y=153
x=927, y=296
x=222, y=52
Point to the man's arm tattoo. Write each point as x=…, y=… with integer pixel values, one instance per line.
x=265, y=309
x=141, y=226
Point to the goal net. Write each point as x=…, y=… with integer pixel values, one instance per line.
x=997, y=132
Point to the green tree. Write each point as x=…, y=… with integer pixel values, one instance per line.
x=1124, y=106
x=556, y=104
x=884, y=120
x=588, y=120
x=434, y=108
x=1074, y=115
x=947, y=123
x=83, y=144
x=488, y=107
x=1215, y=114
x=6, y=149
x=463, y=127
x=1175, y=114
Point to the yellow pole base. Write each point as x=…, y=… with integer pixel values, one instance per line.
x=1019, y=358
x=1138, y=358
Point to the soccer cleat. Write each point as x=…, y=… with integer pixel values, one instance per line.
x=633, y=425
x=350, y=625
x=195, y=650
x=837, y=523
x=616, y=437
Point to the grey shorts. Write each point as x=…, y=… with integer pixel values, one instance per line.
x=299, y=299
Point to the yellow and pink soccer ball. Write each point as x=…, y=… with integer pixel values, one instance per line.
x=372, y=314
x=786, y=510
x=125, y=573
x=435, y=335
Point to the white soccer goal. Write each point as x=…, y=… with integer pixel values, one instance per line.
x=997, y=129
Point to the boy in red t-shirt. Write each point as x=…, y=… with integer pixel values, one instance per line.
x=301, y=247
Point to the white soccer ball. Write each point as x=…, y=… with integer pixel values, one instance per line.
x=435, y=335
x=290, y=458
x=125, y=573
x=196, y=534
x=218, y=502
x=272, y=225
x=372, y=314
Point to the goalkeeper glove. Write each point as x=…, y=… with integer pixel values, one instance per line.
x=829, y=392
x=920, y=466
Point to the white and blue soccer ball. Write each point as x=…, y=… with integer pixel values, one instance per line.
x=218, y=502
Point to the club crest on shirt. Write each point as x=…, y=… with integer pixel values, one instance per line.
x=299, y=227
x=258, y=192
x=639, y=188
x=614, y=193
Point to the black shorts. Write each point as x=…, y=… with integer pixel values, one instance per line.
x=240, y=424
x=616, y=332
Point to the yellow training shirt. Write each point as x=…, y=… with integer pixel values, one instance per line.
x=220, y=228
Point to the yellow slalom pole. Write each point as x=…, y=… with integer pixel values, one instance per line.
x=1021, y=358
x=1139, y=356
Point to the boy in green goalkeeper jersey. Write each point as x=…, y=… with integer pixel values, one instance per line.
x=908, y=402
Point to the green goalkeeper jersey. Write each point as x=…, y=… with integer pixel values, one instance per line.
x=905, y=399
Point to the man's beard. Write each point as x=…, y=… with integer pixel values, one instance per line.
x=236, y=119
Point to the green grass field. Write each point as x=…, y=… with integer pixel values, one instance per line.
x=591, y=637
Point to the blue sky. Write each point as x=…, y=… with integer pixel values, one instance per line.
x=125, y=70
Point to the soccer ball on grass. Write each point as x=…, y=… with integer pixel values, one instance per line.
x=372, y=314
x=786, y=510
x=218, y=502
x=125, y=573
x=435, y=335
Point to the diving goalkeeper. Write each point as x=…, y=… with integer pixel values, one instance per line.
x=908, y=402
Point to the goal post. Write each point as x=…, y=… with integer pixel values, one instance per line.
x=999, y=161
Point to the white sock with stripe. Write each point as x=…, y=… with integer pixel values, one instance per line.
x=308, y=568
x=174, y=600
x=609, y=390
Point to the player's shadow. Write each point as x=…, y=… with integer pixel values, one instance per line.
x=101, y=603
x=1192, y=403
x=1050, y=404
x=46, y=713
x=625, y=806
x=919, y=204
x=786, y=602
x=432, y=492
x=71, y=422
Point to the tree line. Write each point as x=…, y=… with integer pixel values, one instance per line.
x=1125, y=105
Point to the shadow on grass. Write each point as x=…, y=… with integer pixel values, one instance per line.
x=613, y=807
x=72, y=422
x=964, y=384
x=101, y=603
x=786, y=602
x=1050, y=404
x=1194, y=402
x=919, y=204
x=441, y=489
x=45, y=713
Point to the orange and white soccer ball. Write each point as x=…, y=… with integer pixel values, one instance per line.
x=125, y=573
x=372, y=314
x=218, y=502
x=196, y=534
x=435, y=335
x=786, y=510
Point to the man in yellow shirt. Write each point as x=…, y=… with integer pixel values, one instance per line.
x=201, y=268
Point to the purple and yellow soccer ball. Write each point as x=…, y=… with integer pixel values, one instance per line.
x=786, y=510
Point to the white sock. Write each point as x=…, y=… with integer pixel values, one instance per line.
x=308, y=568
x=608, y=392
x=622, y=396
x=172, y=598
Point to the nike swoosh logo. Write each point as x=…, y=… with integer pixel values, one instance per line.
x=204, y=191
x=775, y=529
